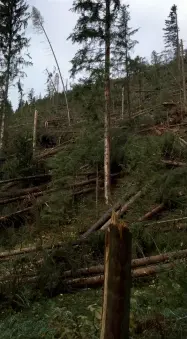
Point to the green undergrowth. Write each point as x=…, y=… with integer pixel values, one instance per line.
x=64, y=219
x=77, y=315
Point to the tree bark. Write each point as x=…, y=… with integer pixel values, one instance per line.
x=117, y=283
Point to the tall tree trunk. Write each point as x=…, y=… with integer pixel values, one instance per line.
x=5, y=98
x=7, y=80
x=178, y=45
x=183, y=77
x=107, y=105
x=122, y=102
x=128, y=90
x=34, y=130
x=127, y=76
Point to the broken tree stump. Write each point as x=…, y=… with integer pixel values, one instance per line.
x=117, y=281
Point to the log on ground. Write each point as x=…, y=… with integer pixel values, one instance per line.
x=124, y=208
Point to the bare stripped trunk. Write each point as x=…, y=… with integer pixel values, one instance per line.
x=128, y=88
x=127, y=74
x=183, y=76
x=178, y=45
x=34, y=130
x=122, y=102
x=107, y=106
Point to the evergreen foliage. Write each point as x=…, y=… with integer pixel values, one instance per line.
x=171, y=31
x=13, y=22
x=90, y=33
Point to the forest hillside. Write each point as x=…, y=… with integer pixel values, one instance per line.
x=114, y=142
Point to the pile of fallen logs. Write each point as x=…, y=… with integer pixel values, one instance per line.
x=30, y=194
x=94, y=275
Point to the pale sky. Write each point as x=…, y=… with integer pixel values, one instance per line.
x=148, y=15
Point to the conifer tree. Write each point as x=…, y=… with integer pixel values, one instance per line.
x=171, y=34
x=13, y=22
x=31, y=96
x=21, y=94
x=93, y=33
x=123, y=46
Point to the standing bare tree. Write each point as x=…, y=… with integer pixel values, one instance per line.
x=38, y=23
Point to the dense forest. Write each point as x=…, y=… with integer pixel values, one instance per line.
x=111, y=145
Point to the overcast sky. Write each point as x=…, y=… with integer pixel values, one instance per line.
x=148, y=15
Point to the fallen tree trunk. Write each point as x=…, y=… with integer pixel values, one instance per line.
x=105, y=217
x=178, y=228
x=83, y=183
x=11, y=217
x=174, y=163
x=11, y=200
x=152, y=213
x=134, y=263
x=29, y=178
x=27, y=250
x=93, y=280
x=174, y=221
x=136, y=273
x=25, y=191
x=88, y=281
x=124, y=208
x=53, y=151
x=38, y=194
x=84, y=191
